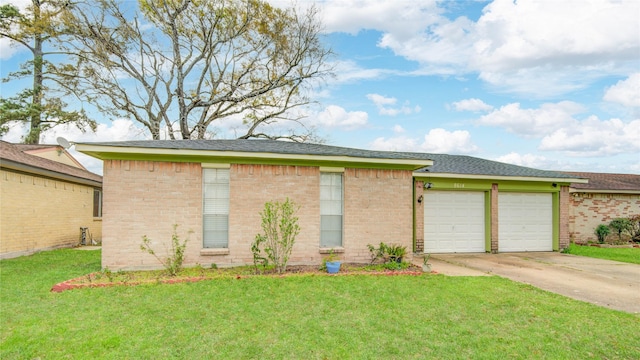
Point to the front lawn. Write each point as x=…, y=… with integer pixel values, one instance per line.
x=629, y=255
x=297, y=317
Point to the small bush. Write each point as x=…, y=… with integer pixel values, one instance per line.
x=634, y=227
x=602, y=231
x=387, y=253
x=173, y=262
x=620, y=225
x=280, y=227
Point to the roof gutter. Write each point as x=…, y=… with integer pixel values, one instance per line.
x=609, y=191
x=499, y=177
x=12, y=165
x=124, y=153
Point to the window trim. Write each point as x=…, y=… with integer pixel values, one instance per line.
x=100, y=201
x=333, y=171
x=214, y=250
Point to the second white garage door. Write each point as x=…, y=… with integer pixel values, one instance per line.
x=453, y=221
x=525, y=222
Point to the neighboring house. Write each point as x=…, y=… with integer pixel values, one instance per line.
x=348, y=198
x=46, y=196
x=604, y=198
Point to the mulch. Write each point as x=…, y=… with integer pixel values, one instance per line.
x=292, y=270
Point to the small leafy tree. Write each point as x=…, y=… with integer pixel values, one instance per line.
x=280, y=228
x=620, y=225
x=173, y=262
x=601, y=232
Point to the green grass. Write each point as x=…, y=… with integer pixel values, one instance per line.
x=629, y=255
x=298, y=317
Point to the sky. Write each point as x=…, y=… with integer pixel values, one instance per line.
x=553, y=85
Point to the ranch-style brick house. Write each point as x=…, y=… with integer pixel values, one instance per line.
x=605, y=197
x=46, y=197
x=214, y=190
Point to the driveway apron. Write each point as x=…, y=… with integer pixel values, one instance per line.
x=612, y=284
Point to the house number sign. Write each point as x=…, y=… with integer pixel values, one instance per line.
x=458, y=185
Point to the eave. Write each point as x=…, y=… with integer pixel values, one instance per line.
x=602, y=191
x=240, y=157
x=417, y=174
x=32, y=170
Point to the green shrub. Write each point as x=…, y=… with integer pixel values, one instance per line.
x=387, y=253
x=634, y=227
x=620, y=225
x=173, y=262
x=377, y=253
x=601, y=232
x=280, y=228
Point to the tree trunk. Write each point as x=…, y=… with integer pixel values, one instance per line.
x=36, y=103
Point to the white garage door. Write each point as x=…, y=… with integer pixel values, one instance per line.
x=453, y=221
x=525, y=222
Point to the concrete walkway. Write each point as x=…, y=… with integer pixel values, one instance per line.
x=611, y=284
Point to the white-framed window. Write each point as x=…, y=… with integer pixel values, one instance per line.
x=215, y=193
x=331, y=205
x=97, y=203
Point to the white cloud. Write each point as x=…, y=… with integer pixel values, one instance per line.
x=532, y=122
x=436, y=141
x=625, y=92
x=7, y=48
x=540, y=48
x=348, y=72
x=384, y=105
x=334, y=116
x=402, y=18
x=595, y=137
x=528, y=160
x=398, y=129
x=475, y=105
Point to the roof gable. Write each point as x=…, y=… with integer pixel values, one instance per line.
x=14, y=158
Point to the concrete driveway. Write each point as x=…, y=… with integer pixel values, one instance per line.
x=611, y=284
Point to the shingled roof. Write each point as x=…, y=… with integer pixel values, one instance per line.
x=14, y=157
x=262, y=146
x=468, y=165
x=443, y=164
x=607, y=182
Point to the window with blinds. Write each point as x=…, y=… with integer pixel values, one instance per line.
x=97, y=203
x=215, y=208
x=331, y=209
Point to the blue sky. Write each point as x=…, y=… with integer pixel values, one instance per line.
x=546, y=84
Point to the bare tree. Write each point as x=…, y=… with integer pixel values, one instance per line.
x=184, y=64
x=42, y=104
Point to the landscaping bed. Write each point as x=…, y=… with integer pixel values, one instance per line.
x=107, y=278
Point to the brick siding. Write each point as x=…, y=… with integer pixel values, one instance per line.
x=41, y=214
x=588, y=210
x=565, y=205
x=146, y=198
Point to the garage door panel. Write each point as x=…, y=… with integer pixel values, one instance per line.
x=525, y=222
x=453, y=221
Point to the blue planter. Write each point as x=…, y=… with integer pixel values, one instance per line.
x=333, y=267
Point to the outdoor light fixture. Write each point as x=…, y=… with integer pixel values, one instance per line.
x=420, y=199
x=428, y=185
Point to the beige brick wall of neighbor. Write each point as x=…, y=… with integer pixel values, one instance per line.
x=42, y=214
x=148, y=197
x=588, y=210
